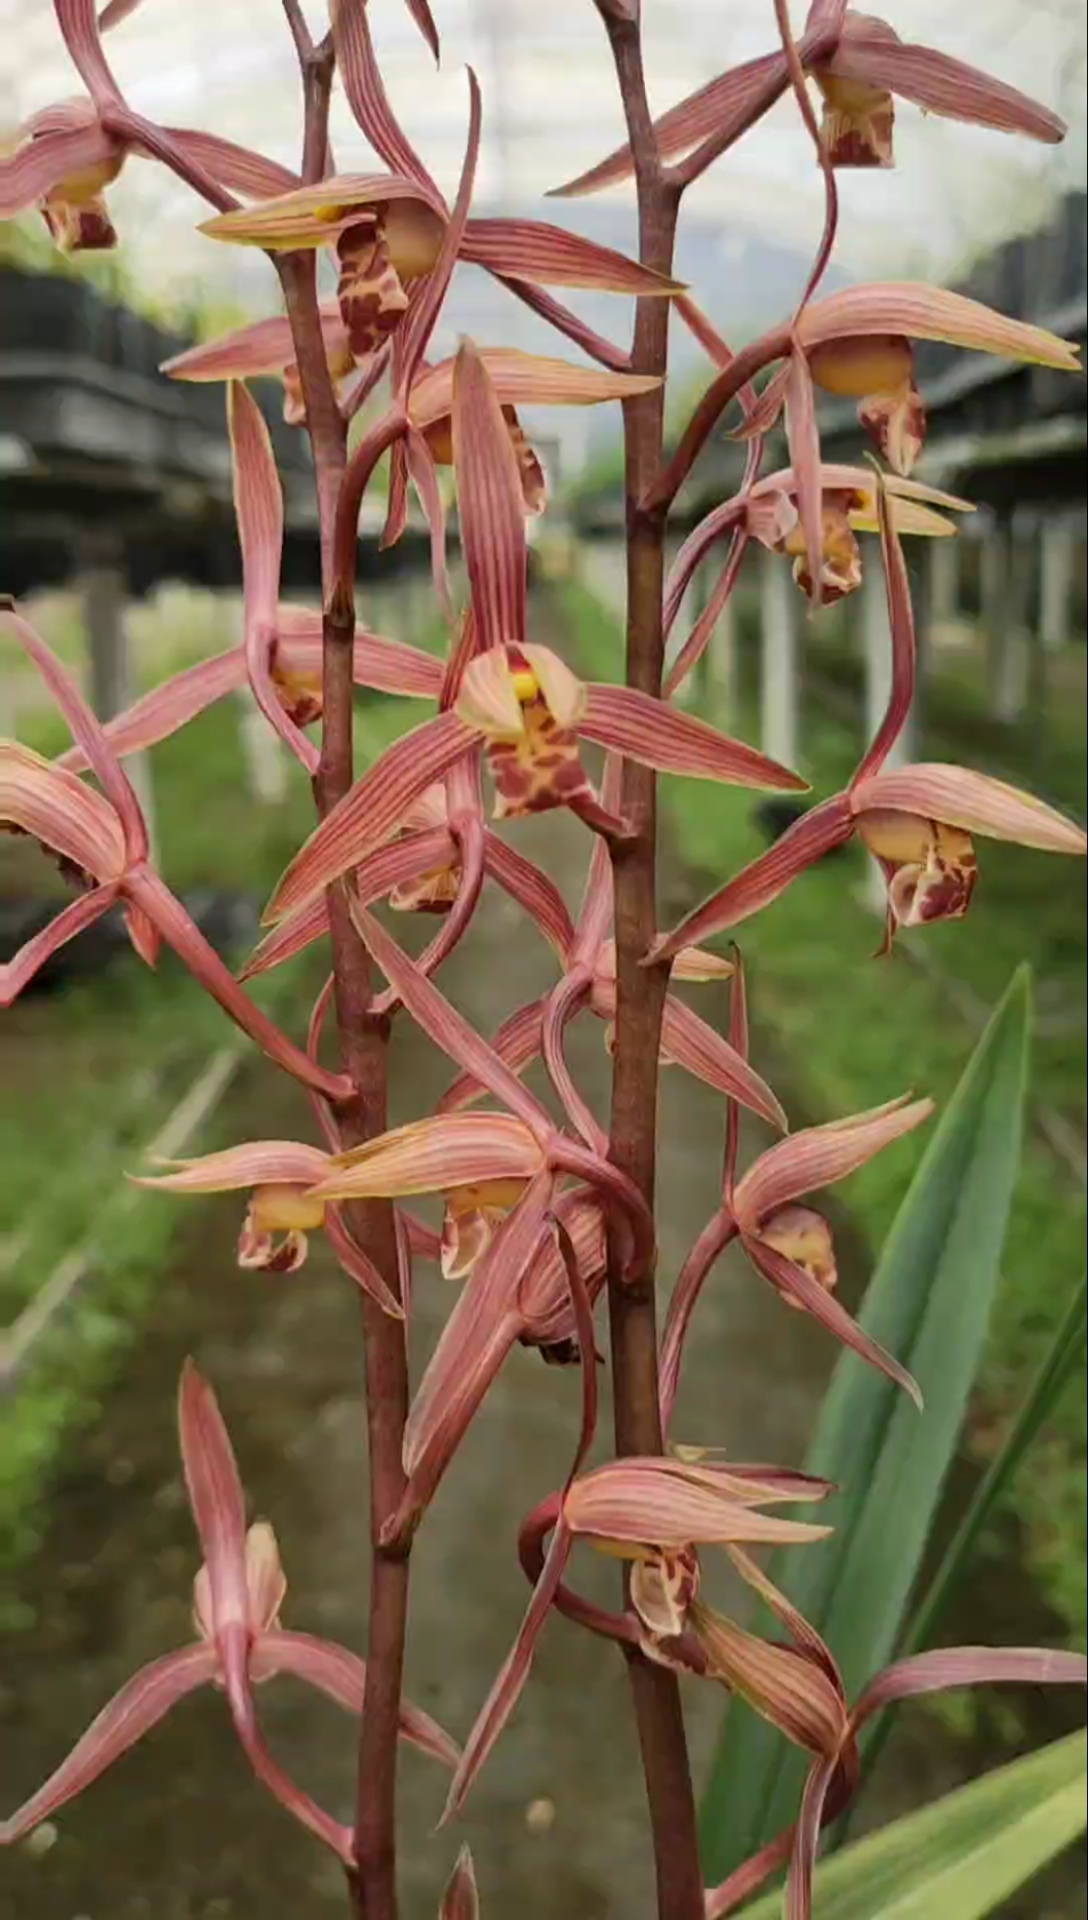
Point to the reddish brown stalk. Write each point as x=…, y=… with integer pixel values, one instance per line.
x=363, y=1048
x=641, y=990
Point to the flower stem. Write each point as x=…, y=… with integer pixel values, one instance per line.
x=641, y=991
x=364, y=1046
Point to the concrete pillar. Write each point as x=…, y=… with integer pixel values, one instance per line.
x=780, y=607
x=1057, y=554
x=101, y=588
x=1006, y=583
x=944, y=581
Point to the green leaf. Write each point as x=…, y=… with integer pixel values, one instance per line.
x=959, y=1858
x=929, y=1301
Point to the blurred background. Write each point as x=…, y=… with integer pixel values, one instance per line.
x=116, y=530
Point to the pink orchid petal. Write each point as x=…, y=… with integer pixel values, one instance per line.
x=271, y=1775
x=420, y=321
x=477, y=1337
x=42, y=163
x=238, y=168
x=818, y=1156
x=265, y=346
x=938, y=83
x=358, y=1265
x=87, y=732
x=373, y=808
x=424, y=475
x=302, y=217
x=716, y=525
x=700, y=1050
x=930, y=313
x=901, y=622
x=948, y=1667
x=798, y=1903
x=654, y=1499
x=533, y=890
x=974, y=801
x=16, y=973
x=168, y=707
x=716, y=109
x=595, y=912
x=533, y=250
x=778, y=1682
x=255, y=1163
x=470, y=847
x=512, y=1675
x=396, y=864
x=132, y=1712
x=167, y=913
x=433, y=1155
x=566, y=322
x=424, y=19
x=78, y=22
x=656, y=734
x=560, y=1007
x=516, y=1042
x=258, y=506
x=65, y=814
x=799, y=1287
x=342, y=1676
x=804, y=445
x=461, y=1898
x=216, y=1498
x=817, y=833
x=389, y=666
x=738, y=1037
x=525, y=379
x=491, y=512
x=365, y=90
x=396, y=512
x=712, y=1242
x=448, y=1028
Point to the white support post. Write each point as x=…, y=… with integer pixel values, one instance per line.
x=944, y=583
x=1057, y=553
x=780, y=603
x=1005, y=585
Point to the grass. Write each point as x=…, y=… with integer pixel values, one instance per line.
x=98, y=1067
x=856, y=1032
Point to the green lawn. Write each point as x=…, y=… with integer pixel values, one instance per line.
x=856, y=1031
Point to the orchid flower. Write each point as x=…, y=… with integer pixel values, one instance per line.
x=238, y=1594
x=516, y=700
x=69, y=153
x=859, y=64
x=788, y=1242
x=917, y=820
x=588, y=959
x=100, y=839
x=654, y=1513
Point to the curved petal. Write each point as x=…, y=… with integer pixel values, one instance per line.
x=974, y=801
x=258, y=507
x=712, y=1242
x=389, y=666
x=461, y=1899
x=373, y=808
x=311, y=216
x=931, y=313
x=695, y=1045
x=396, y=864
x=947, y=1667
x=818, y=1156
x=78, y=22
x=491, y=513
x=138, y=1707
x=803, y=1291
x=516, y=1042
x=432, y=1155
x=655, y=1499
x=265, y=346
x=804, y=444
x=533, y=890
x=216, y=1498
x=16, y=973
x=365, y=90
x=168, y=707
x=40, y=164
x=660, y=736
x=358, y=1265
x=938, y=83
x=238, y=168
x=60, y=811
x=901, y=627
x=534, y=250
x=342, y=1676
x=525, y=379
x=421, y=318
x=257, y=1163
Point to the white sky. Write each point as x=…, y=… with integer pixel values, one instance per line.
x=550, y=109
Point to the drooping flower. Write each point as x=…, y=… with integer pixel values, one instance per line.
x=516, y=700
x=917, y=820
x=238, y=1594
x=787, y=1241
x=655, y=1512
x=860, y=65
x=101, y=841
x=67, y=154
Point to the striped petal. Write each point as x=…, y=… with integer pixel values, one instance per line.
x=660, y=736
x=45, y=162
x=61, y=811
x=533, y=890
x=138, y=1707
x=217, y=1501
x=342, y=1677
x=235, y=167
x=818, y=1156
x=516, y=1042
x=461, y=1898
x=973, y=801
x=389, y=666
x=781, y=1683
x=432, y=1155
x=168, y=707
x=804, y=444
x=800, y=1289
x=491, y=511
x=931, y=313
x=78, y=22
x=359, y=70
x=937, y=82
x=373, y=808
x=534, y=250
x=16, y=973
x=525, y=379
x=695, y=1046
x=661, y=1501
x=395, y=865
x=265, y=346
x=817, y=833
x=257, y=1163
x=311, y=216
